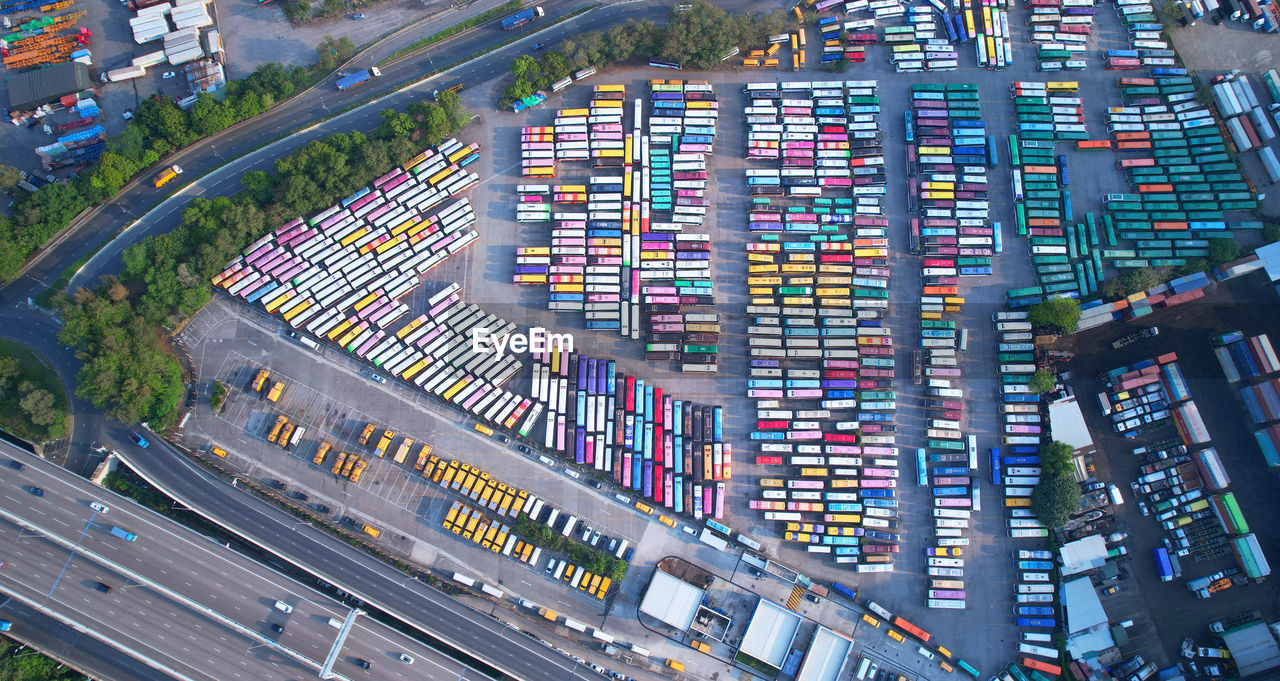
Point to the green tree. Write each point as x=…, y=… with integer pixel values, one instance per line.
x=395, y=124
x=1054, y=500
x=458, y=116
x=258, y=183
x=699, y=37
x=555, y=65
x=1042, y=381
x=1057, y=312
x=9, y=370
x=112, y=172
x=1222, y=251
x=517, y=90
x=9, y=177
x=1271, y=232
x=435, y=124
x=210, y=116
x=38, y=403
x=159, y=117
x=333, y=52
x=1055, y=459
x=526, y=68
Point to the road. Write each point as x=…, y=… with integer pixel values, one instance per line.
x=192, y=608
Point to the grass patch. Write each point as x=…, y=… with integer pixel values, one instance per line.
x=31, y=666
x=438, y=36
x=33, y=404
x=45, y=298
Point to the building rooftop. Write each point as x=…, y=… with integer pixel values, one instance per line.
x=671, y=600
x=1067, y=423
x=1083, y=554
x=770, y=633
x=828, y=652
x=1253, y=648
x=31, y=89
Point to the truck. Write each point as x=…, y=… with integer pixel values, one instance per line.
x=1233, y=621
x=123, y=534
x=387, y=437
x=1135, y=337
x=167, y=174
x=354, y=79
x=521, y=18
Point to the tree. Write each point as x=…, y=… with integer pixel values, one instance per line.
x=1222, y=251
x=1057, y=313
x=458, y=116
x=1055, y=459
x=38, y=404
x=9, y=177
x=1042, y=381
x=395, y=124
x=210, y=116
x=435, y=124
x=517, y=90
x=332, y=52
x=1054, y=500
x=698, y=37
x=1271, y=232
x=9, y=370
x=555, y=65
x=526, y=68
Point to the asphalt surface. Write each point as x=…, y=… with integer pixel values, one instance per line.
x=189, y=606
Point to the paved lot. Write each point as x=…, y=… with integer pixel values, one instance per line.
x=1188, y=330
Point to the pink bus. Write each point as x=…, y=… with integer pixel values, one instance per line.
x=879, y=473
x=953, y=502
x=878, y=483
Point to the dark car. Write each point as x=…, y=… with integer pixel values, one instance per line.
x=104, y=588
x=35, y=490
x=277, y=628
x=321, y=508
x=536, y=47
x=276, y=484
x=361, y=663
x=300, y=496
x=522, y=449
x=16, y=464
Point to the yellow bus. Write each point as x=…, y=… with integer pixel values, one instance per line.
x=279, y=300
x=751, y=62
x=364, y=302
x=340, y=329
x=352, y=237
x=1062, y=86
x=800, y=32
x=298, y=309
x=798, y=268
x=610, y=87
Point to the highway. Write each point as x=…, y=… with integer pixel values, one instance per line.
x=192, y=608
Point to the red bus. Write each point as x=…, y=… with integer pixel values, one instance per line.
x=916, y=631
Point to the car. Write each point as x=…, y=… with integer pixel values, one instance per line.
x=872, y=670
x=597, y=484
x=586, y=533
x=377, y=378
x=358, y=16
x=276, y=484
x=595, y=538
x=277, y=628
x=300, y=496
x=35, y=490
x=16, y=464
x=551, y=566
x=523, y=449
x=1095, y=486
x=536, y=47
x=139, y=440
x=168, y=74
x=127, y=115
x=361, y=662
x=405, y=658
x=812, y=599
x=755, y=572
x=321, y=508
x=98, y=507
x=104, y=588
x=504, y=439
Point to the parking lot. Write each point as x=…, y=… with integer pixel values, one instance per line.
x=230, y=342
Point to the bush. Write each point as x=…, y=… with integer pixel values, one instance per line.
x=1055, y=459
x=218, y=395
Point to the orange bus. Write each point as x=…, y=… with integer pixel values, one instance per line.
x=1032, y=663
x=1093, y=144
x=912, y=629
x=1154, y=188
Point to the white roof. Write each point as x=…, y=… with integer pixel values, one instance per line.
x=1083, y=554
x=1067, y=423
x=827, y=654
x=671, y=600
x=1084, y=608
x=1253, y=648
x=1270, y=255
x=770, y=633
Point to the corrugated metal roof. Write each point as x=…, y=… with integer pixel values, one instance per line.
x=1084, y=608
x=828, y=652
x=31, y=89
x=1067, y=423
x=671, y=600
x=770, y=633
x=1083, y=554
x=1253, y=648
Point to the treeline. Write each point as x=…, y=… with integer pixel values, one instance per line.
x=1221, y=251
x=119, y=327
x=157, y=128
x=697, y=38
x=32, y=404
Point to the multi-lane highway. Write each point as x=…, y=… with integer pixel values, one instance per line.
x=188, y=607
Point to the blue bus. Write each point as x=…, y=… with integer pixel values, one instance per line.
x=995, y=466
x=999, y=241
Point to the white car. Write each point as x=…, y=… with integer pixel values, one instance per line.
x=407, y=659
x=98, y=507
x=168, y=74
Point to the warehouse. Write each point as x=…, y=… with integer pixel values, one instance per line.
x=826, y=657
x=770, y=633
x=671, y=600
x=35, y=88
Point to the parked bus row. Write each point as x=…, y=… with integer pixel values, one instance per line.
x=821, y=356
x=666, y=450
